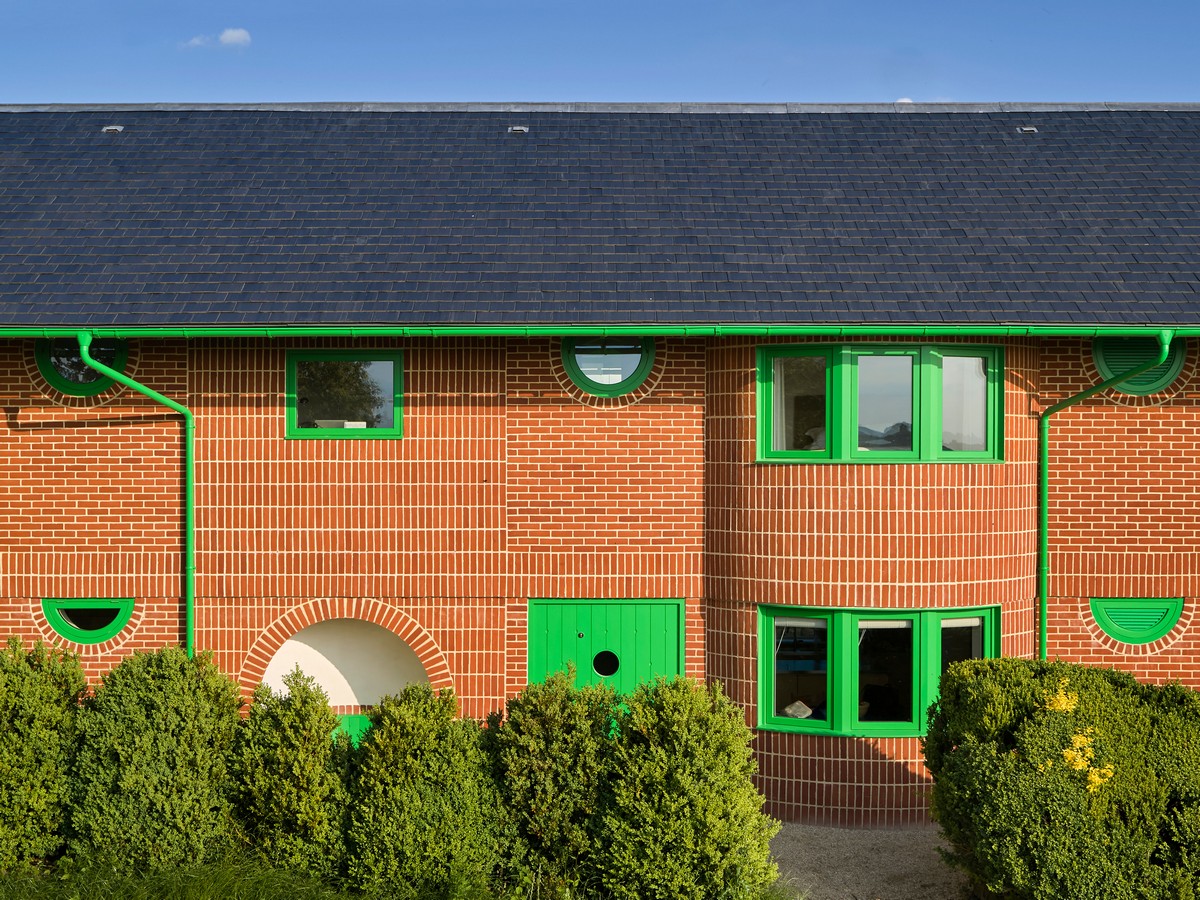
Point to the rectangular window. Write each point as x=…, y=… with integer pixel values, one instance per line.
x=344, y=394
x=859, y=672
x=880, y=403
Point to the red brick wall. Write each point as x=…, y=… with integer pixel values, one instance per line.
x=509, y=483
x=1124, y=511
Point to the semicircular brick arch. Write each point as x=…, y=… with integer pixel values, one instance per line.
x=397, y=622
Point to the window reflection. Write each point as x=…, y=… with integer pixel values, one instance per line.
x=801, y=403
x=885, y=671
x=801, y=668
x=964, y=403
x=885, y=402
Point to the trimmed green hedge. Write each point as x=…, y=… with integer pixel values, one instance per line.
x=1054, y=780
x=288, y=778
x=40, y=690
x=151, y=786
x=423, y=821
x=576, y=793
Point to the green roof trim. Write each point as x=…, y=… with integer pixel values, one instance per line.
x=1133, y=620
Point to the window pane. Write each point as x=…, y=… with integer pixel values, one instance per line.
x=964, y=403
x=800, y=403
x=885, y=413
x=885, y=671
x=67, y=361
x=961, y=639
x=801, y=668
x=336, y=393
x=610, y=360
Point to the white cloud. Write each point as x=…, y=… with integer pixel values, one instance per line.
x=905, y=100
x=230, y=37
x=235, y=37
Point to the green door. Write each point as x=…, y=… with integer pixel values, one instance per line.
x=618, y=642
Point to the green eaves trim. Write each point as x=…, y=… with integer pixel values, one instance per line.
x=1134, y=620
x=718, y=330
x=58, y=614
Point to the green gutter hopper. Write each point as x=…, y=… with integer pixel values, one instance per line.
x=1164, y=340
x=189, y=476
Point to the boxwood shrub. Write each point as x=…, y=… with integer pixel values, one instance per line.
x=151, y=788
x=681, y=818
x=1056, y=780
x=551, y=753
x=40, y=690
x=287, y=776
x=425, y=813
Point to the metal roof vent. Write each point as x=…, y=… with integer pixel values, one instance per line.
x=518, y=129
x=1027, y=129
x=112, y=129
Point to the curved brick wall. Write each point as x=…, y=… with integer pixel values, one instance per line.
x=888, y=536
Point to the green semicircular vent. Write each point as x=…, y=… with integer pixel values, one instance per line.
x=1134, y=620
x=1114, y=355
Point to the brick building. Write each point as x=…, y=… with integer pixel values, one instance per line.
x=466, y=394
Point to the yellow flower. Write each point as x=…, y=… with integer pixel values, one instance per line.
x=1074, y=759
x=1097, y=777
x=1062, y=700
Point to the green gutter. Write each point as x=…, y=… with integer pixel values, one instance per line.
x=1164, y=340
x=189, y=476
x=646, y=329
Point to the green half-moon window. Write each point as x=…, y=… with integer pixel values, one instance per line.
x=63, y=367
x=1114, y=355
x=608, y=366
x=87, y=621
x=1133, y=620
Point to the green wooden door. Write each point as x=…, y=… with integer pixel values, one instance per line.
x=618, y=642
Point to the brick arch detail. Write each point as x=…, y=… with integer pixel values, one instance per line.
x=398, y=622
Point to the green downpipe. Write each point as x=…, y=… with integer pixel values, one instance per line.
x=189, y=478
x=1164, y=340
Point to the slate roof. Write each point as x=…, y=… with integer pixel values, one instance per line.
x=599, y=215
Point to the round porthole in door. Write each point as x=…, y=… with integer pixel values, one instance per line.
x=605, y=663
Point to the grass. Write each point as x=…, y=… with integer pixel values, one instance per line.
x=234, y=880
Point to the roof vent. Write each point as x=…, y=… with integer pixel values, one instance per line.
x=518, y=129
x=1027, y=129
x=112, y=129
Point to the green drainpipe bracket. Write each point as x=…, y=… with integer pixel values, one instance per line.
x=189, y=475
x=1164, y=339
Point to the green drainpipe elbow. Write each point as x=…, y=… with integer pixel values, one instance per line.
x=189, y=477
x=1164, y=341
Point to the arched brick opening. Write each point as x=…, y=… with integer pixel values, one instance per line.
x=396, y=621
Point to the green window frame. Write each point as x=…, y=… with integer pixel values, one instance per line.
x=841, y=668
x=110, y=614
x=1136, y=620
x=389, y=397
x=841, y=427
x=114, y=353
x=599, y=347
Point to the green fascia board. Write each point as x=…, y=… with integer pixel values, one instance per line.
x=647, y=329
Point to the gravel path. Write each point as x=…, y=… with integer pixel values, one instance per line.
x=850, y=864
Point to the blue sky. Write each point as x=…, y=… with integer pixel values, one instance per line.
x=91, y=51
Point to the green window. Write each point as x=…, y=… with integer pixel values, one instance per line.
x=87, y=621
x=608, y=366
x=879, y=403
x=862, y=672
x=344, y=394
x=62, y=366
